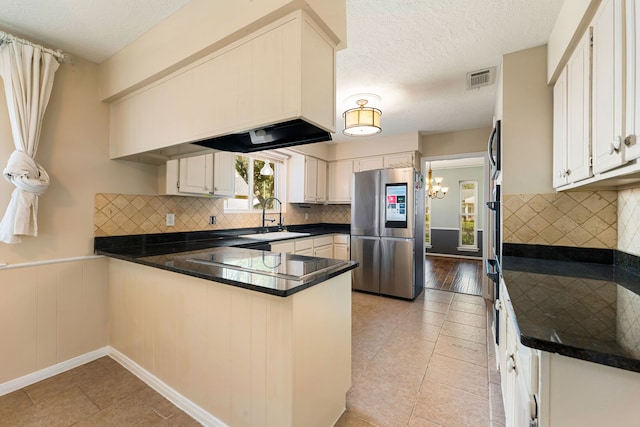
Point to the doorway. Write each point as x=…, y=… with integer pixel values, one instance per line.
x=455, y=221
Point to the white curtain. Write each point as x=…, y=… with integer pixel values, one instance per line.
x=27, y=73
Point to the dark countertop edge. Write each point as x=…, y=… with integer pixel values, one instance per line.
x=193, y=240
x=270, y=291
x=623, y=266
x=607, y=359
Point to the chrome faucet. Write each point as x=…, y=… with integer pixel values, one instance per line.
x=264, y=207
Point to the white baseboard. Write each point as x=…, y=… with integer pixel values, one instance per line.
x=193, y=410
x=43, y=374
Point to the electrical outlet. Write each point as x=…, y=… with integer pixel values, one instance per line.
x=306, y=215
x=212, y=219
x=171, y=219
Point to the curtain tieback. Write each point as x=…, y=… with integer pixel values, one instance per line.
x=27, y=175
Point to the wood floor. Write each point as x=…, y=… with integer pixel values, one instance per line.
x=453, y=274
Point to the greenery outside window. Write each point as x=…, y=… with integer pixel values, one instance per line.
x=468, y=209
x=252, y=188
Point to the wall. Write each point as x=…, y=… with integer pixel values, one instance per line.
x=43, y=307
x=527, y=125
x=453, y=143
x=375, y=146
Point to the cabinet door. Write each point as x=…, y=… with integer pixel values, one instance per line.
x=560, y=130
x=341, y=251
x=307, y=252
x=340, y=177
x=321, y=182
x=310, y=179
x=369, y=163
x=224, y=174
x=632, y=130
x=196, y=174
x=608, y=148
x=404, y=160
x=324, y=251
x=578, y=103
x=284, y=247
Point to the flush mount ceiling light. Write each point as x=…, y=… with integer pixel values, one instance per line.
x=362, y=121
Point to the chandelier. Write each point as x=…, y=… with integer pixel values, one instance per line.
x=434, y=189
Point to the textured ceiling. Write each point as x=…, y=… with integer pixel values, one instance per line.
x=414, y=54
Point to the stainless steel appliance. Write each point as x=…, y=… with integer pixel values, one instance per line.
x=387, y=232
x=495, y=224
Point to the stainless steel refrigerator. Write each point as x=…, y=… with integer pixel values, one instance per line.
x=387, y=232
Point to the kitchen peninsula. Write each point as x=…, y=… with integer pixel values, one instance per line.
x=243, y=336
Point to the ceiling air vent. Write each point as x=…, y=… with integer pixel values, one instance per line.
x=480, y=78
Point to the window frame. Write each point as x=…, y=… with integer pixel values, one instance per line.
x=279, y=176
x=461, y=214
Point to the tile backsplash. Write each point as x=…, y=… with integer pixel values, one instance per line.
x=122, y=214
x=572, y=218
x=629, y=221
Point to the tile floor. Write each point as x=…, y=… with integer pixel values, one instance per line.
x=100, y=393
x=422, y=363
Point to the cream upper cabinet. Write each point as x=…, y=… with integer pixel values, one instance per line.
x=403, y=160
x=340, y=177
x=224, y=174
x=196, y=174
x=281, y=72
x=211, y=174
x=571, y=107
x=368, y=163
x=321, y=181
x=307, y=179
x=607, y=140
x=632, y=122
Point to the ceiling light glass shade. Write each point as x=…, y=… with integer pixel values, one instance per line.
x=362, y=121
x=266, y=169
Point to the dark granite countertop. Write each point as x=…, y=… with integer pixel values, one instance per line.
x=224, y=257
x=584, y=310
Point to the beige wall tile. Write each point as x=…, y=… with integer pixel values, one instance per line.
x=629, y=221
x=572, y=218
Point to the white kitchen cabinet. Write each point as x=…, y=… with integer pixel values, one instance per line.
x=307, y=179
x=341, y=248
x=401, y=160
x=285, y=247
x=571, y=107
x=632, y=94
x=606, y=131
x=368, y=163
x=211, y=174
x=281, y=72
x=340, y=177
x=224, y=174
x=323, y=251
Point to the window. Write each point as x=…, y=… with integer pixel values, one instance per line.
x=252, y=189
x=468, y=202
x=427, y=221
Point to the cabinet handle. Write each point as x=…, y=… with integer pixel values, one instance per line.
x=614, y=147
x=497, y=305
x=511, y=364
x=630, y=140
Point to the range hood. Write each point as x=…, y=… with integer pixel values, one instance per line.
x=281, y=135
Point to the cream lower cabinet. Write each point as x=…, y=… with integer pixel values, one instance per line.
x=210, y=175
x=328, y=246
x=341, y=246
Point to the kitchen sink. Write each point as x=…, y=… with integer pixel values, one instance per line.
x=275, y=235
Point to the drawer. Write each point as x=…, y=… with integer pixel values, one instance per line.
x=341, y=239
x=303, y=244
x=285, y=247
x=323, y=241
